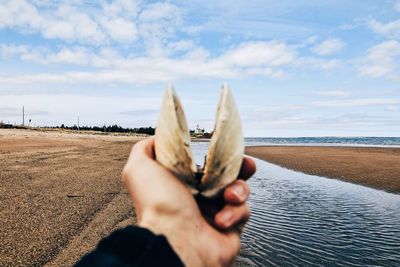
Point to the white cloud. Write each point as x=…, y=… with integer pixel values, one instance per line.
x=334, y=93
x=89, y=34
x=381, y=61
x=71, y=24
x=120, y=21
x=397, y=6
x=120, y=30
x=389, y=30
x=362, y=121
x=160, y=11
x=269, y=59
x=355, y=120
x=12, y=50
x=157, y=23
x=10, y=15
x=308, y=41
x=282, y=109
x=182, y=45
x=65, y=22
x=291, y=121
x=317, y=63
x=121, y=8
x=260, y=53
x=392, y=108
x=266, y=72
x=55, y=109
x=315, y=122
x=74, y=55
x=357, y=102
x=328, y=47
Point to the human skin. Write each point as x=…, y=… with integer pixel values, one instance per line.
x=165, y=206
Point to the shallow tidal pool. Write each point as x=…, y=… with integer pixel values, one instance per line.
x=306, y=220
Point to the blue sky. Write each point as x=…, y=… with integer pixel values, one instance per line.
x=297, y=68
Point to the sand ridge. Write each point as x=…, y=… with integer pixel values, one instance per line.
x=377, y=167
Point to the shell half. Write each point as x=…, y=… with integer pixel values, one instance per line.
x=225, y=153
x=172, y=140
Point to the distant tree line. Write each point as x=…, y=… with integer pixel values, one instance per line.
x=110, y=129
x=5, y=125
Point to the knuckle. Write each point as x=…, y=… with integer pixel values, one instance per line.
x=127, y=172
x=247, y=212
x=246, y=188
x=239, y=182
x=236, y=244
x=124, y=174
x=138, y=147
x=135, y=149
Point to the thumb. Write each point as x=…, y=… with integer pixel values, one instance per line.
x=149, y=183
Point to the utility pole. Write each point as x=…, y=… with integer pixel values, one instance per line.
x=23, y=115
x=78, y=123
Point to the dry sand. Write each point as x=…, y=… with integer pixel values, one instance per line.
x=59, y=195
x=369, y=166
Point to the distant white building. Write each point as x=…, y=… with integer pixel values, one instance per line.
x=198, y=130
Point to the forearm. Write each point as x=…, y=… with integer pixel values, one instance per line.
x=132, y=246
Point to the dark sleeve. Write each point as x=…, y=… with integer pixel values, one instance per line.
x=132, y=246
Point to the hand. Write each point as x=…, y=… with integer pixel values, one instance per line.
x=165, y=206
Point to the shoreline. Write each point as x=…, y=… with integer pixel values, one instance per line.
x=376, y=167
x=326, y=145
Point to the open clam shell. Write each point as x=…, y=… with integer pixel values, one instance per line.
x=225, y=153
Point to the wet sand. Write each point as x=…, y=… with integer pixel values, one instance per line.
x=59, y=195
x=370, y=166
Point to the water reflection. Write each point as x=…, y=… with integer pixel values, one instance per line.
x=304, y=220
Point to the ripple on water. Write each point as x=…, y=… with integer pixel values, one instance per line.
x=304, y=220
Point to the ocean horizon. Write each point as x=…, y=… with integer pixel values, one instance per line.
x=325, y=141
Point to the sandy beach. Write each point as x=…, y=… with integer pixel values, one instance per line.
x=60, y=194
x=370, y=166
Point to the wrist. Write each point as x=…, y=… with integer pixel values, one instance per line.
x=179, y=235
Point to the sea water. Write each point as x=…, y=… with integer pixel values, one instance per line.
x=325, y=141
x=306, y=220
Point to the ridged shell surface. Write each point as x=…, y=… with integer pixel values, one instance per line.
x=225, y=153
x=172, y=140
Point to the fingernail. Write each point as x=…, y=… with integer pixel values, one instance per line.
x=239, y=191
x=226, y=216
